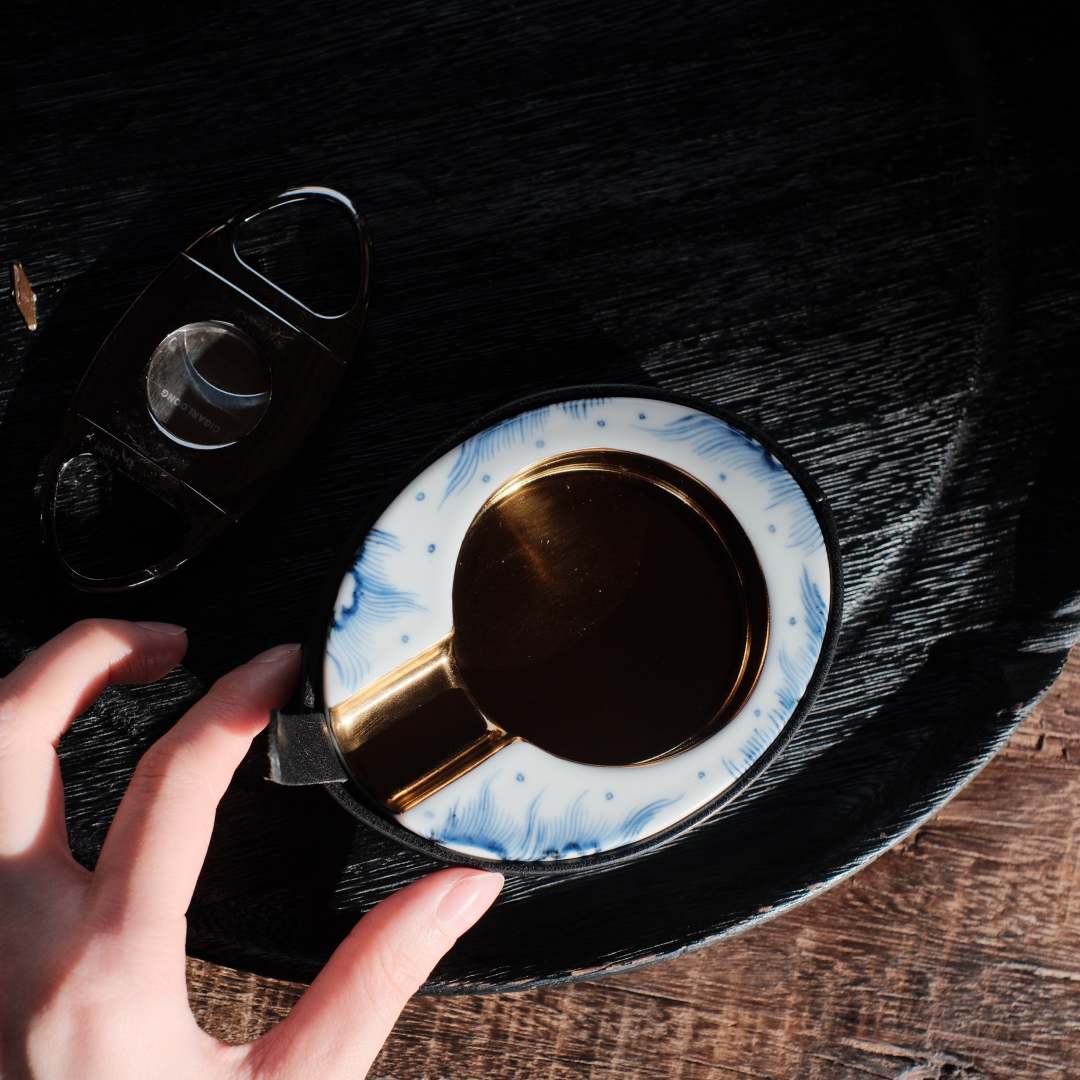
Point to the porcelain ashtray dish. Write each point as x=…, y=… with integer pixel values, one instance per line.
x=582, y=628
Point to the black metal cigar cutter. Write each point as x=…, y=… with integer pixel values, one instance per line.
x=202, y=393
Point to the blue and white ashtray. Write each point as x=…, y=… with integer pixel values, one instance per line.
x=582, y=628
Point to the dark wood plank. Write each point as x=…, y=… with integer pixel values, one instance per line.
x=955, y=955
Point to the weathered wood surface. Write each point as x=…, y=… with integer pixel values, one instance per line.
x=955, y=955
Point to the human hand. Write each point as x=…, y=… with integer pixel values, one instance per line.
x=92, y=964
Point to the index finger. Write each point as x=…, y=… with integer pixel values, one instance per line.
x=40, y=698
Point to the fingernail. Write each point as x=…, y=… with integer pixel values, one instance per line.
x=469, y=897
x=276, y=654
x=163, y=628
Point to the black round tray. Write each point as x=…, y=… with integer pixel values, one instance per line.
x=838, y=224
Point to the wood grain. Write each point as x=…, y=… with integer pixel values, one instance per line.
x=957, y=955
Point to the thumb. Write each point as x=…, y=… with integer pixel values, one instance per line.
x=339, y=1025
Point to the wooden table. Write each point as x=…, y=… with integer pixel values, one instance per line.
x=955, y=955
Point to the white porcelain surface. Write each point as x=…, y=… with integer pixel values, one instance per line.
x=524, y=803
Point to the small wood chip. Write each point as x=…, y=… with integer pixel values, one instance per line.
x=23, y=294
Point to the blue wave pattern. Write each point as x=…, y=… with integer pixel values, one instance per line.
x=712, y=439
x=515, y=431
x=579, y=409
x=796, y=668
x=375, y=600
x=482, y=448
x=480, y=824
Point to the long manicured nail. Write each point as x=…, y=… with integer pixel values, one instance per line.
x=163, y=628
x=467, y=899
x=276, y=654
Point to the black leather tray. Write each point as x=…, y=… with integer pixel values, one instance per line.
x=851, y=226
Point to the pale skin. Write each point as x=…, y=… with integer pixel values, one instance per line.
x=92, y=964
